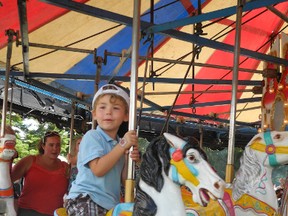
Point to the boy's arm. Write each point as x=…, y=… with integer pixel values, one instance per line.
x=100, y=166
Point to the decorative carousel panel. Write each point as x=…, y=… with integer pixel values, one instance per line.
x=271, y=86
x=283, y=85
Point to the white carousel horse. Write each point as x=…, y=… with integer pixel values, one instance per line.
x=7, y=151
x=252, y=191
x=167, y=164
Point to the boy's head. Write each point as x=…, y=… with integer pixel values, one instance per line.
x=112, y=90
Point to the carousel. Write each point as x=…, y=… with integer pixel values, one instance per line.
x=175, y=177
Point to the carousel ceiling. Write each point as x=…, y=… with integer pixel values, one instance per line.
x=59, y=52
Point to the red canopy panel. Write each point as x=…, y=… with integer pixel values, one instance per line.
x=261, y=27
x=38, y=14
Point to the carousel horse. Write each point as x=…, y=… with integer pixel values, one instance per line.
x=252, y=191
x=7, y=151
x=168, y=163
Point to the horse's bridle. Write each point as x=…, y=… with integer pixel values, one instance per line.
x=269, y=148
x=179, y=166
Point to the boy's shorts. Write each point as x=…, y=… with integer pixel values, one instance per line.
x=83, y=205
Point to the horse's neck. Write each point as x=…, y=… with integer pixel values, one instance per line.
x=262, y=188
x=265, y=189
x=169, y=200
x=5, y=180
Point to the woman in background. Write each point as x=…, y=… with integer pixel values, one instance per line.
x=45, y=178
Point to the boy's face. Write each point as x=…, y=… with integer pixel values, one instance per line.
x=110, y=113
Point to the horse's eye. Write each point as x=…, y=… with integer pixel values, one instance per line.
x=277, y=136
x=192, y=158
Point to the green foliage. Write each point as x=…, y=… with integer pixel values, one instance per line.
x=218, y=159
x=29, y=132
x=143, y=143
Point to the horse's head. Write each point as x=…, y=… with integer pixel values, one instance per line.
x=189, y=168
x=7, y=147
x=271, y=147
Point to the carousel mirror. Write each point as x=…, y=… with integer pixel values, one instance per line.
x=278, y=114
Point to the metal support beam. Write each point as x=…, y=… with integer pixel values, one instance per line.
x=191, y=124
x=241, y=110
x=224, y=47
x=128, y=55
x=22, y=10
x=91, y=78
x=278, y=13
x=211, y=119
x=171, y=61
x=65, y=48
x=197, y=92
x=10, y=35
x=210, y=16
x=214, y=103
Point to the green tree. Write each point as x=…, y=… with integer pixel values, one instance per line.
x=28, y=137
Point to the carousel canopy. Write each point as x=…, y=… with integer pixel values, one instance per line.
x=59, y=53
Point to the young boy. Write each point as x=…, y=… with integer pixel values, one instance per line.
x=101, y=162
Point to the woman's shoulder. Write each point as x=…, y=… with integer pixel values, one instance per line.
x=66, y=167
x=22, y=166
x=64, y=164
x=28, y=159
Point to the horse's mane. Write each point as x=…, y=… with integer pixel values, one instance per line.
x=249, y=171
x=156, y=160
x=151, y=173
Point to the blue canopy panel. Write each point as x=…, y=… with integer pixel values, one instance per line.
x=122, y=41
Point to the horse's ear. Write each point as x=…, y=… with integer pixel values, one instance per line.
x=174, y=141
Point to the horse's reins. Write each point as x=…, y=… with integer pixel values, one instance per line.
x=269, y=148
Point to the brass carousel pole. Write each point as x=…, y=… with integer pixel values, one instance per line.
x=130, y=181
x=231, y=143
